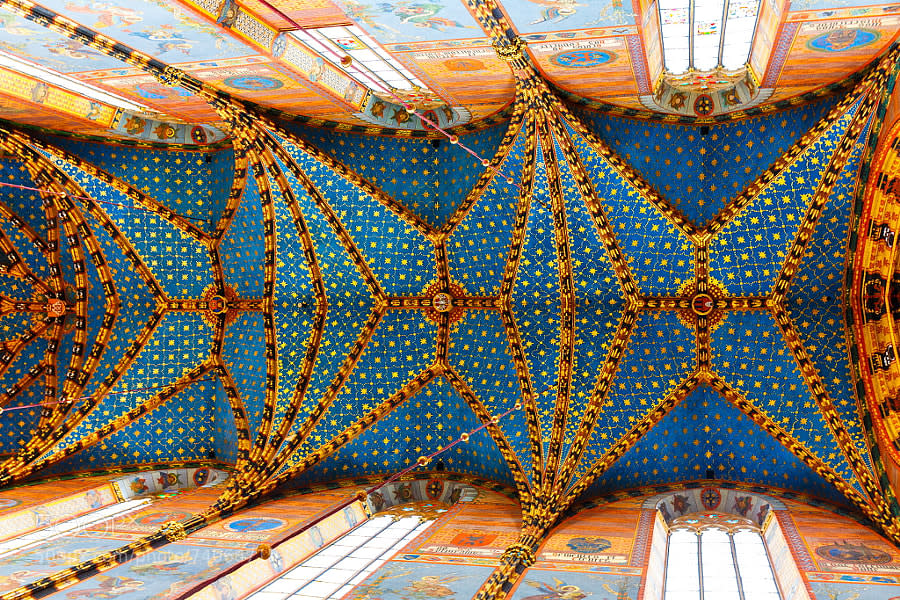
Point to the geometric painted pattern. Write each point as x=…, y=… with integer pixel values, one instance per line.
x=327, y=325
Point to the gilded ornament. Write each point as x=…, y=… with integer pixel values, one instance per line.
x=265, y=551
x=511, y=51
x=174, y=531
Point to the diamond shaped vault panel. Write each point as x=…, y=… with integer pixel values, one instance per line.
x=705, y=431
x=429, y=420
x=699, y=172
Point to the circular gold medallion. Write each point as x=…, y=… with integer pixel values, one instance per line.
x=702, y=304
x=442, y=302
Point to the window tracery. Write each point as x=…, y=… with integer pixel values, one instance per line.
x=712, y=555
x=335, y=569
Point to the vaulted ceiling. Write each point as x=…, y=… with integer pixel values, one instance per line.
x=617, y=299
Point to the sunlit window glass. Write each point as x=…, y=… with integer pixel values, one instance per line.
x=705, y=35
x=717, y=557
x=334, y=570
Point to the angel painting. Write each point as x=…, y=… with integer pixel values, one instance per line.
x=107, y=587
x=431, y=586
x=558, y=591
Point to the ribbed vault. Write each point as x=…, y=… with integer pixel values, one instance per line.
x=327, y=305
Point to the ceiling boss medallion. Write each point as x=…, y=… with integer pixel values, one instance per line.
x=444, y=300
x=703, y=304
x=693, y=304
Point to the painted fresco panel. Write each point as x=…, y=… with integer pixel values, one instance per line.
x=308, y=13
x=766, y=29
x=31, y=495
x=413, y=20
x=38, y=44
x=828, y=590
x=836, y=47
x=532, y=16
x=40, y=116
x=843, y=12
x=155, y=575
x=826, y=4
x=543, y=584
x=165, y=30
x=592, y=68
x=50, y=557
x=161, y=29
x=598, y=536
x=253, y=78
x=410, y=580
x=837, y=544
x=476, y=78
x=53, y=510
x=466, y=532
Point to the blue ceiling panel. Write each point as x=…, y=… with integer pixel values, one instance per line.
x=243, y=249
x=478, y=249
x=705, y=431
x=194, y=184
x=748, y=350
x=747, y=254
x=401, y=258
x=659, y=356
x=479, y=351
x=430, y=420
x=659, y=256
x=699, y=172
x=430, y=177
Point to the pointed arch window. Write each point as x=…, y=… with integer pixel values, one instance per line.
x=333, y=571
x=704, y=35
x=69, y=526
x=715, y=556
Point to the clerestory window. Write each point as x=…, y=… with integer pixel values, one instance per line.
x=333, y=571
x=713, y=556
x=706, y=35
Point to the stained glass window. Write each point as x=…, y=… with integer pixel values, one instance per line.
x=334, y=570
x=92, y=520
x=42, y=73
x=370, y=64
x=718, y=557
x=704, y=35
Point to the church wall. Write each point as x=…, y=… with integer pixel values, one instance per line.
x=605, y=551
x=454, y=556
x=167, y=572
x=841, y=558
x=602, y=551
x=30, y=507
x=55, y=555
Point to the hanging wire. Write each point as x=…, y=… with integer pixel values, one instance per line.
x=410, y=108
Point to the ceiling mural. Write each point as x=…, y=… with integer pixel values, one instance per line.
x=836, y=42
x=29, y=40
x=541, y=16
x=565, y=298
x=611, y=56
x=412, y=21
